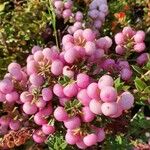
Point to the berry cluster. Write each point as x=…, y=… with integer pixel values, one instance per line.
x=63, y=8
x=98, y=9
x=130, y=40
x=88, y=100
x=30, y=91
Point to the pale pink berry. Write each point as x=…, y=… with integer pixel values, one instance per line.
x=93, y=91
x=83, y=97
x=90, y=139
x=57, y=67
x=68, y=72
x=139, y=36
x=88, y=35
x=109, y=109
x=139, y=47
x=105, y=80
x=119, y=49
x=108, y=94
x=95, y=106
x=128, y=31
x=119, y=38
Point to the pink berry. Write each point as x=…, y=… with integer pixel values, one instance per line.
x=58, y=90
x=119, y=38
x=70, y=90
x=57, y=67
x=139, y=47
x=40, y=119
x=83, y=80
x=38, y=56
x=68, y=72
x=119, y=49
x=128, y=31
x=26, y=97
x=72, y=123
x=90, y=139
x=58, y=4
x=13, y=65
x=118, y=113
x=68, y=4
x=6, y=86
x=70, y=55
x=32, y=67
x=60, y=114
x=12, y=97
x=81, y=145
x=63, y=100
x=79, y=16
x=105, y=80
x=95, y=106
x=40, y=103
x=5, y=120
x=48, y=129
x=83, y=97
x=36, y=79
x=39, y=137
x=71, y=138
x=109, y=109
x=14, y=125
x=67, y=13
x=36, y=48
x=126, y=74
x=47, y=94
x=142, y=59
x=90, y=48
x=93, y=91
x=100, y=134
x=139, y=36
x=108, y=94
x=29, y=108
x=49, y=54
x=88, y=35
x=67, y=38
x=87, y=115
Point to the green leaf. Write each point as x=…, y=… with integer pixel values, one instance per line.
x=118, y=84
x=2, y=7
x=140, y=85
x=147, y=90
x=148, y=65
x=137, y=69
